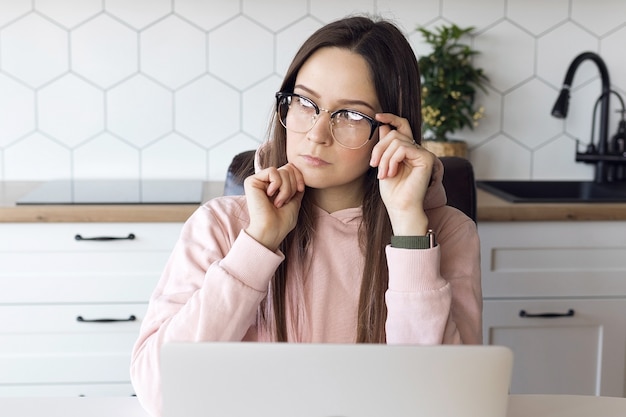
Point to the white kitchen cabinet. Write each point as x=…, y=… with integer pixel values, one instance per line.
x=70, y=309
x=555, y=293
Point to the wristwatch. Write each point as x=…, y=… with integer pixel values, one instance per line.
x=415, y=242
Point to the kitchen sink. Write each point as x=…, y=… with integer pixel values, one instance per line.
x=556, y=191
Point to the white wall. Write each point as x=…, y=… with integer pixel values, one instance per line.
x=175, y=88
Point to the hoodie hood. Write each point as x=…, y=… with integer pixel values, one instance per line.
x=436, y=194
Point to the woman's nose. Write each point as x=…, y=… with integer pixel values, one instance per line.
x=320, y=132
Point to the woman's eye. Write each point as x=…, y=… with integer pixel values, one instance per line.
x=305, y=103
x=350, y=116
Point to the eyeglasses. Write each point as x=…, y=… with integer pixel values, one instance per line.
x=350, y=128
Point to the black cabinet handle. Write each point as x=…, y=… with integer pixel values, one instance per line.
x=130, y=236
x=570, y=313
x=104, y=320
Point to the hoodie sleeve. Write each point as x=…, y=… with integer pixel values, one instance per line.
x=210, y=290
x=434, y=295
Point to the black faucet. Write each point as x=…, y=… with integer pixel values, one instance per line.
x=600, y=156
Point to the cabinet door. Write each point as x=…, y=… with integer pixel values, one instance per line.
x=561, y=346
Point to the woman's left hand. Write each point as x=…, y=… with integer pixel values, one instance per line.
x=404, y=171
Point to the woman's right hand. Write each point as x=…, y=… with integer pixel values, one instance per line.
x=274, y=196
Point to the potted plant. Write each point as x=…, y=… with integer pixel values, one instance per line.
x=449, y=85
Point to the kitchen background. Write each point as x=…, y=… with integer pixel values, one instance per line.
x=175, y=88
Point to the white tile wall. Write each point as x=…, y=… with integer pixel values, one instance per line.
x=175, y=88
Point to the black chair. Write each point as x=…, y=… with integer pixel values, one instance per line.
x=458, y=180
x=460, y=184
x=240, y=167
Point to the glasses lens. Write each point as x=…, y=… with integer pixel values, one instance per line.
x=351, y=129
x=296, y=113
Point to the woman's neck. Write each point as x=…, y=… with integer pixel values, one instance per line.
x=337, y=198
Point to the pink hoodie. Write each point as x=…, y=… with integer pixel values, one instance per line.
x=217, y=276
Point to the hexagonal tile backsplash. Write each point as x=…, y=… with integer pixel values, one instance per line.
x=175, y=88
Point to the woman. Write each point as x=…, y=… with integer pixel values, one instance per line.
x=331, y=241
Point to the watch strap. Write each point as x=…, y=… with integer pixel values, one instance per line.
x=414, y=242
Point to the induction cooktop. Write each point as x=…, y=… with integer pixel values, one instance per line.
x=115, y=192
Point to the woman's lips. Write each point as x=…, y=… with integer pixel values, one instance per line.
x=314, y=161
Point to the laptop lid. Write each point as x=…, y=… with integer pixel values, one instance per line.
x=330, y=380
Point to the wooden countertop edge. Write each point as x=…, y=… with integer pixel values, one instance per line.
x=493, y=209
x=533, y=214
x=10, y=212
x=139, y=213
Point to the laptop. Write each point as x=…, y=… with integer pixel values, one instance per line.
x=248, y=379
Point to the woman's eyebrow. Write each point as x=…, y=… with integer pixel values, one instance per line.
x=343, y=102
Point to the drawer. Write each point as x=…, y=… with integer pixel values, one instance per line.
x=68, y=390
x=71, y=319
x=553, y=259
x=50, y=345
x=55, y=237
x=46, y=264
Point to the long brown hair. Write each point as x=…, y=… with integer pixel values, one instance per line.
x=395, y=74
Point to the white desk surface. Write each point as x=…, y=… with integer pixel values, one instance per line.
x=519, y=406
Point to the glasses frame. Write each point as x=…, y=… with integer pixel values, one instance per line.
x=374, y=124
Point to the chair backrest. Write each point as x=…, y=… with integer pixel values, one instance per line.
x=460, y=184
x=240, y=167
x=458, y=180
